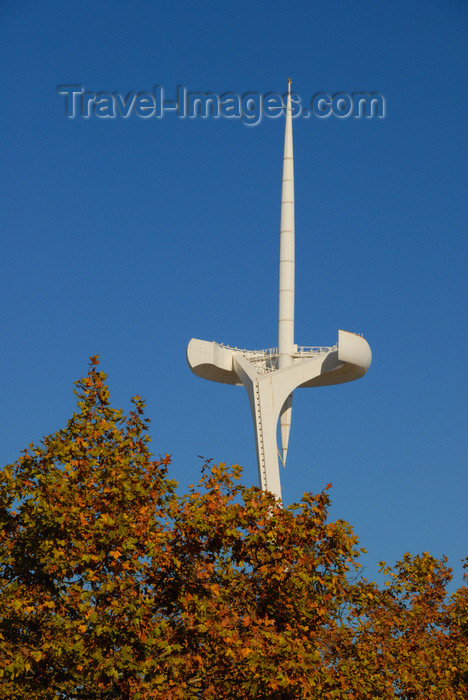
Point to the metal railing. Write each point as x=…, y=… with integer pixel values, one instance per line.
x=269, y=352
x=266, y=360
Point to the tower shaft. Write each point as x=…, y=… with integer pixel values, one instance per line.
x=286, y=274
x=287, y=262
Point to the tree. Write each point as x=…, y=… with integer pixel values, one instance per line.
x=112, y=585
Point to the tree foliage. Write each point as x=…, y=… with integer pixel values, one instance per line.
x=112, y=585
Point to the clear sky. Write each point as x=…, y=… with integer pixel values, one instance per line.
x=127, y=237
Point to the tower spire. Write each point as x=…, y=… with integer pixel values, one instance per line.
x=286, y=263
x=286, y=273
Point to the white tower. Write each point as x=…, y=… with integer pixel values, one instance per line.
x=270, y=376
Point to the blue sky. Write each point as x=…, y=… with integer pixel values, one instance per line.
x=127, y=237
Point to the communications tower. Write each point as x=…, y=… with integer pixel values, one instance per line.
x=270, y=376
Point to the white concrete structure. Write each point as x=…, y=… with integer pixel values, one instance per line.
x=270, y=376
